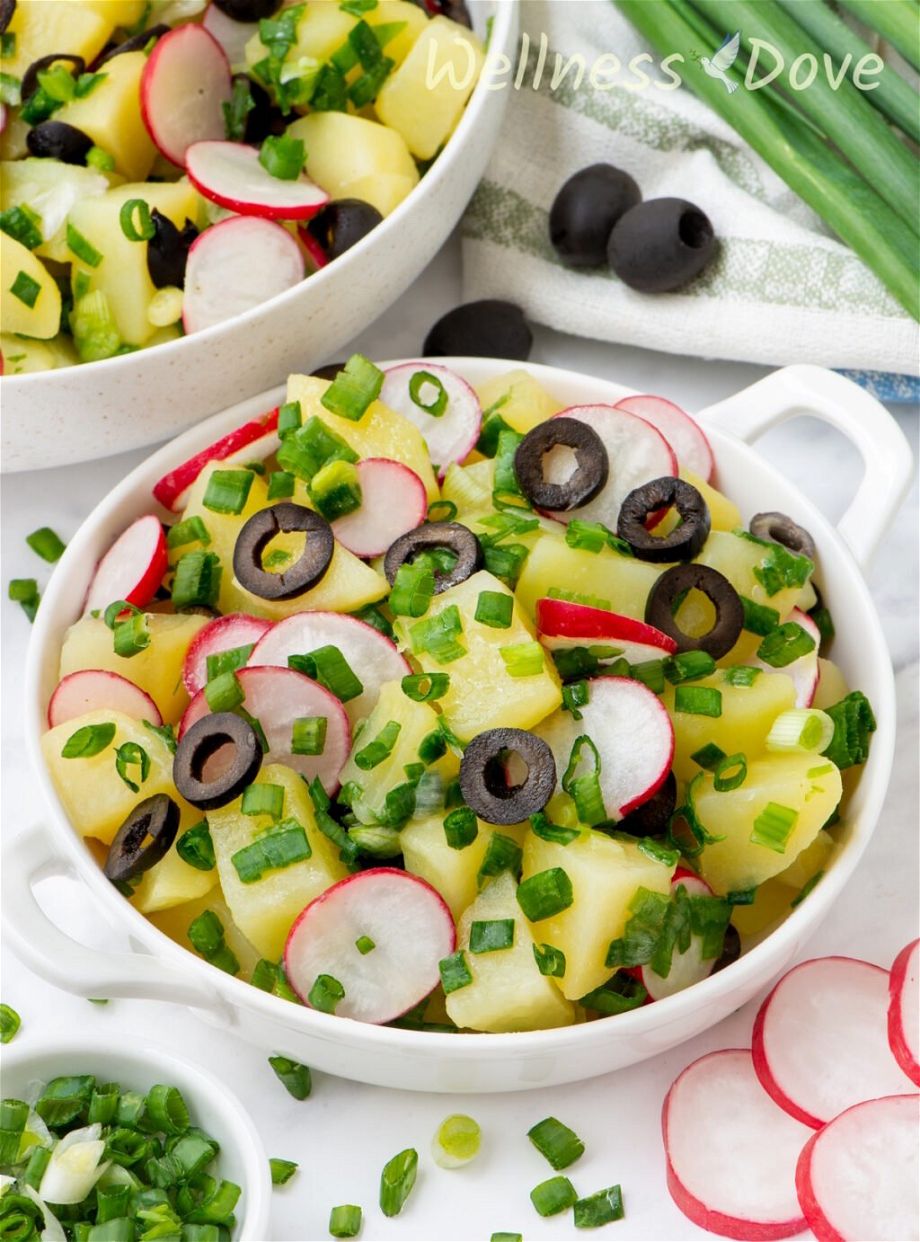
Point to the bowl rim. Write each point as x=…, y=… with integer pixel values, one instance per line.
x=503, y=32
x=468, y=1045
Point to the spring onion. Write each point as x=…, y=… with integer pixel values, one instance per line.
x=438, y=635
x=380, y=748
x=23, y=224
x=550, y=960
x=282, y=156
x=490, y=935
x=601, y=1208
x=688, y=666
x=132, y=755
x=658, y=852
x=729, y=773
x=650, y=673
x=25, y=289
x=397, y=1180
x=329, y=667
x=280, y=485
x=461, y=828
x=773, y=827
x=345, y=1221
x=547, y=893
x=377, y=840
x=708, y=756
x=308, y=735
x=506, y=1237
x=24, y=591
x=224, y=693
x=801, y=729
x=494, y=609
x=335, y=489
x=46, y=544
x=425, y=687
x=785, y=644
x=741, y=675
x=587, y=536
x=806, y=889
x=10, y=1023
x=365, y=945
x=136, y=221
x=296, y=1078
x=100, y=159
x=698, y=701
x=418, y=384
x=553, y=1196
x=854, y=723
x=282, y=1170
x=307, y=449
x=88, y=741
x=206, y=936
x=326, y=993
x=191, y=530
x=196, y=583
x=585, y=787
x=455, y=973
x=895, y=21
x=281, y=847
x=227, y=491
x=523, y=659
x=502, y=854
x=263, y=799
x=353, y=389
x=618, y=995
x=413, y=588
x=227, y=661
x=554, y=1140
x=456, y=1141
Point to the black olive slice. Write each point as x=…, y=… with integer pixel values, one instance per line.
x=306, y=571
x=167, y=251
x=779, y=528
x=586, y=209
x=487, y=329
x=143, y=839
x=264, y=117
x=7, y=9
x=58, y=141
x=685, y=541
x=29, y=83
x=585, y=481
x=248, y=10
x=341, y=224
x=652, y=817
x=661, y=244
x=216, y=759
x=136, y=43
x=486, y=782
x=731, y=949
x=449, y=535
x=667, y=592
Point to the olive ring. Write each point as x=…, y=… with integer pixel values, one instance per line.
x=306, y=571
x=685, y=541
x=449, y=535
x=675, y=582
x=143, y=839
x=200, y=743
x=586, y=480
x=779, y=528
x=484, y=783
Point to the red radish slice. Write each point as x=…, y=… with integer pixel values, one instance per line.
x=315, y=252
x=412, y=930
x=276, y=697
x=731, y=1153
x=690, y=966
x=235, y=266
x=684, y=434
x=251, y=442
x=453, y=433
x=857, y=1178
x=133, y=567
x=904, y=1011
x=393, y=501
x=820, y=1040
x=805, y=671
x=3, y=119
x=92, y=689
x=636, y=452
x=633, y=734
x=185, y=83
x=237, y=629
x=370, y=654
x=561, y=624
x=232, y=37
x=230, y=174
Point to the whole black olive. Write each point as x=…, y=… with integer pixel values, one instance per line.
x=136, y=43
x=216, y=758
x=342, y=223
x=585, y=210
x=685, y=541
x=652, y=817
x=661, y=244
x=485, y=782
x=487, y=329
x=143, y=839
x=29, y=83
x=449, y=535
x=167, y=251
x=59, y=141
x=7, y=9
x=248, y=10
x=779, y=528
x=674, y=583
x=264, y=118
x=585, y=481
x=261, y=529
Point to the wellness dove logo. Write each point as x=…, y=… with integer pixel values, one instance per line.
x=724, y=58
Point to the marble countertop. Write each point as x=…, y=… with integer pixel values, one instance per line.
x=345, y=1132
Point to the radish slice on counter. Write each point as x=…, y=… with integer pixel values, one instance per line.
x=276, y=697
x=690, y=966
x=904, y=1011
x=232, y=37
x=251, y=442
x=442, y=405
x=857, y=1177
x=393, y=501
x=684, y=434
x=805, y=671
x=636, y=453
x=229, y=173
x=92, y=689
x=133, y=567
x=237, y=629
x=820, y=1041
x=185, y=83
x=235, y=266
x=404, y=927
x=731, y=1153
x=371, y=656
x=561, y=624
x=634, y=738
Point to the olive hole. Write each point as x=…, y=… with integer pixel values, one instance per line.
x=506, y=773
x=138, y=837
x=213, y=758
x=282, y=551
x=559, y=464
x=694, y=229
x=695, y=613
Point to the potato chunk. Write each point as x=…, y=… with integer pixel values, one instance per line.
x=30, y=301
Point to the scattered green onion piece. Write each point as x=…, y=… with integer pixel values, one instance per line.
x=553, y=1196
x=801, y=729
x=506, y=490
x=438, y=635
x=167, y=1109
x=506, y=1237
x=10, y=1023
x=282, y=1170
x=23, y=224
x=136, y=221
x=456, y=1141
x=502, y=854
x=224, y=693
x=100, y=159
x=413, y=589
x=196, y=583
x=785, y=644
x=657, y=852
x=329, y=667
x=438, y=403
x=742, y=897
x=729, y=773
x=601, y=1208
x=131, y=636
x=376, y=751
x=650, y=673
x=305, y=450
x=166, y=733
x=92, y=323
x=575, y=696
x=24, y=591
x=432, y=746
x=365, y=945
x=326, y=993
x=708, y=756
x=545, y=894
x=523, y=659
x=25, y=289
x=758, y=618
x=345, y=1221
x=442, y=511
x=263, y=800
x=455, y=973
x=191, y=530
x=461, y=828
x=282, y=156
x=773, y=827
x=335, y=489
x=425, y=687
x=39, y=1159
x=290, y=418
x=585, y=789
x=825, y=623
x=128, y=755
x=280, y=485
x=353, y=389
x=65, y=1100
x=196, y=848
x=308, y=735
x=698, y=701
x=46, y=543
x=780, y=568
x=741, y=675
x=546, y=830
x=560, y=1145
x=688, y=666
x=88, y=741
x=227, y=491
x=806, y=889
x=550, y=960
x=84, y=250
x=281, y=847
x=397, y=1180
x=206, y=935
x=491, y=935
x=854, y=723
x=377, y=840
x=506, y=562
x=229, y=661
x=587, y=536
x=296, y=1078
x=618, y=995
x=495, y=608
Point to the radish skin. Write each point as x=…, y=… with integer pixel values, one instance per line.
x=132, y=569
x=904, y=1010
x=254, y=440
x=91, y=689
x=684, y=434
x=237, y=629
x=393, y=502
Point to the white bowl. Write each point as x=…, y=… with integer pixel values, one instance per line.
x=242, y=1157
x=466, y=1063
x=51, y=418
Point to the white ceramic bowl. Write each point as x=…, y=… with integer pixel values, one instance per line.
x=466, y=1063
x=242, y=1157
x=51, y=418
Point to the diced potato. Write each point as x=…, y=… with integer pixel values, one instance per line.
x=265, y=909
x=508, y=993
x=622, y=583
x=157, y=669
x=30, y=301
x=174, y=922
x=111, y=115
x=21, y=355
x=13, y=144
x=413, y=16
x=43, y=26
x=469, y=488
x=50, y=189
x=521, y=401
x=343, y=150
x=121, y=13
x=832, y=685
x=813, y=858
x=771, y=905
x=322, y=29
x=95, y=797
x=724, y=513
x=454, y=873
x=172, y=881
x=735, y=862
x=605, y=874
x=385, y=191
x=424, y=98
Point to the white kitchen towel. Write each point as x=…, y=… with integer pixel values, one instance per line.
x=781, y=289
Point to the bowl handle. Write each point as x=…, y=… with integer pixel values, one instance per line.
x=865, y=422
x=56, y=957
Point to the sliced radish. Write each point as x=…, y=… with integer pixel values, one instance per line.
x=185, y=83
x=370, y=654
x=450, y=435
x=230, y=174
x=904, y=1011
x=235, y=266
x=393, y=501
x=820, y=1041
x=232, y=37
x=690, y=966
x=636, y=454
x=632, y=732
x=315, y=252
x=411, y=929
x=684, y=434
x=731, y=1153
x=133, y=567
x=857, y=1177
x=251, y=442
x=237, y=629
x=805, y=671
x=276, y=697
x=561, y=624
x=92, y=689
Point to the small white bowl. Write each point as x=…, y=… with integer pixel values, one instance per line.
x=242, y=1157
x=78, y=413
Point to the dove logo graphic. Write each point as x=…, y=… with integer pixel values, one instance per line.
x=724, y=58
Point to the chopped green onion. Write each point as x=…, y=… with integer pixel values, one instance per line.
x=378, y=840
x=272, y=851
x=758, y=618
x=438, y=635
x=295, y=1077
x=305, y=450
x=560, y=1145
x=280, y=485
x=854, y=722
x=550, y=960
x=397, y=1180
x=432, y=746
x=425, y=687
x=290, y=418
x=191, y=530
x=23, y=224
x=619, y=995
x=688, y=666
x=784, y=644
x=494, y=608
x=39, y=1159
x=128, y=755
x=345, y=1220
x=742, y=897
x=650, y=673
x=698, y=701
x=206, y=935
x=365, y=945
x=780, y=567
x=825, y=623
x=167, y=1110
x=237, y=109
x=523, y=659
x=196, y=583
x=442, y=511
x=505, y=562
x=545, y=894
x=84, y=250
x=490, y=935
x=709, y=918
x=729, y=773
x=308, y=735
x=282, y=156
x=224, y=693
x=24, y=591
x=335, y=489
x=546, y=830
x=46, y=543
x=136, y=221
x=326, y=993
x=438, y=403
x=357, y=7
x=353, y=389
x=553, y=1196
x=506, y=1237
x=456, y=1142
x=657, y=852
x=329, y=667
x=263, y=800
x=229, y=661
x=10, y=1023
x=93, y=324
x=99, y=158
x=25, y=289
x=376, y=751
x=506, y=490
x=741, y=675
x=773, y=827
x=88, y=741
x=282, y=1170
x=166, y=733
x=587, y=536
x=575, y=696
x=586, y=788
x=601, y=1208
x=502, y=854
x=455, y=973
x=801, y=729
x=708, y=756
x=413, y=589
x=65, y=1100
x=227, y=491
x=196, y=848
x=461, y=828
x=130, y=635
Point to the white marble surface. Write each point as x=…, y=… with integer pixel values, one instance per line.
x=345, y=1132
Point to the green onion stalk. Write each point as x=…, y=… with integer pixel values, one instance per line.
x=895, y=21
